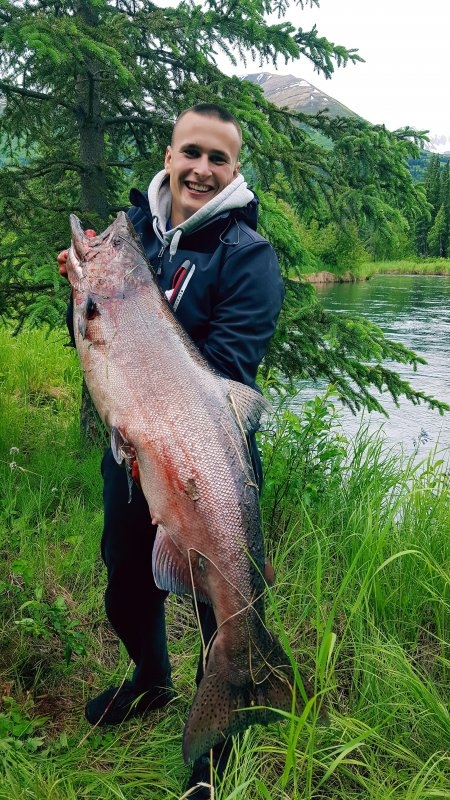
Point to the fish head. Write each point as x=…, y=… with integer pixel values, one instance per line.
x=104, y=270
x=107, y=263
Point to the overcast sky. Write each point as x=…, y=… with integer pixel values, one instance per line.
x=406, y=47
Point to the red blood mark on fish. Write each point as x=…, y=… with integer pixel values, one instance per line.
x=135, y=472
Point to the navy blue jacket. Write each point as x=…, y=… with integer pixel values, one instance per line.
x=232, y=300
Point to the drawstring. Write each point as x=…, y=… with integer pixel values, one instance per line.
x=175, y=240
x=174, y=243
x=157, y=231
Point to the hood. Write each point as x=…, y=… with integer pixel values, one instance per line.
x=236, y=195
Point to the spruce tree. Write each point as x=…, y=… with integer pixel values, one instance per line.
x=92, y=88
x=434, y=231
x=445, y=205
x=436, y=238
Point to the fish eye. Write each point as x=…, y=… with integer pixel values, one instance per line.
x=91, y=308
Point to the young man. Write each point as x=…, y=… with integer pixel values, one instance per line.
x=198, y=228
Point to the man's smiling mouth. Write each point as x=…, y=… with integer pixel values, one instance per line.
x=198, y=187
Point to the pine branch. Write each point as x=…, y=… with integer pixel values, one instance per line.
x=130, y=118
x=8, y=88
x=322, y=52
x=24, y=173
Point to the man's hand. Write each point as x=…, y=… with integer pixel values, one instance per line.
x=64, y=254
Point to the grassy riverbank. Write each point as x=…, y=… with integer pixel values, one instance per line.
x=428, y=266
x=360, y=544
x=366, y=270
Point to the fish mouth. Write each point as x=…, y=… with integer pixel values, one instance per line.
x=78, y=235
x=82, y=244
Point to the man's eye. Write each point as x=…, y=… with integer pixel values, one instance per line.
x=191, y=153
x=218, y=160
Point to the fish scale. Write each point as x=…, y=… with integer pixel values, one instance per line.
x=187, y=427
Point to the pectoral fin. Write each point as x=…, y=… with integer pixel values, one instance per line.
x=177, y=572
x=122, y=450
x=248, y=406
x=117, y=443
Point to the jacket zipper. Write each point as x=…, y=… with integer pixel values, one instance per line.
x=160, y=258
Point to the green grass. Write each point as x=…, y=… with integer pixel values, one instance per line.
x=359, y=539
x=411, y=266
x=405, y=266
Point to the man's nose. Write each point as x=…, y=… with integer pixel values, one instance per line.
x=202, y=166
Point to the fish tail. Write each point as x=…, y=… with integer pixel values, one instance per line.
x=222, y=708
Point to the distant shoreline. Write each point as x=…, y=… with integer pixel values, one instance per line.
x=437, y=266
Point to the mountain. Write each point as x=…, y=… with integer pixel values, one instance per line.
x=297, y=94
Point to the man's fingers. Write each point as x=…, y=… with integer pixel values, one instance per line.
x=62, y=262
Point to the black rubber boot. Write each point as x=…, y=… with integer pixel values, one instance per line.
x=201, y=772
x=117, y=704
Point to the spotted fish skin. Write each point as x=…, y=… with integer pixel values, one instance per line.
x=186, y=429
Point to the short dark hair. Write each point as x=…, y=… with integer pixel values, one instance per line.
x=211, y=110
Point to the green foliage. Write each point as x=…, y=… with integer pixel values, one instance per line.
x=45, y=619
x=438, y=234
x=372, y=183
x=18, y=729
x=406, y=266
x=92, y=90
x=338, y=247
x=40, y=507
x=123, y=73
x=303, y=457
x=432, y=232
x=282, y=227
x=419, y=164
x=324, y=52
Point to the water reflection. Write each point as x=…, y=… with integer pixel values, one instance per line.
x=415, y=311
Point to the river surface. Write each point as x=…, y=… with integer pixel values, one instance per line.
x=413, y=310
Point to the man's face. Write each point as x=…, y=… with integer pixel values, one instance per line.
x=201, y=161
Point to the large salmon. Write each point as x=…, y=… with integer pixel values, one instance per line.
x=186, y=426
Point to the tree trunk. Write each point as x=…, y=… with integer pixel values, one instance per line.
x=94, y=201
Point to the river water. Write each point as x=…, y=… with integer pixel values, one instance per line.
x=413, y=310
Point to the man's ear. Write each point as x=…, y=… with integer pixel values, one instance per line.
x=236, y=169
x=168, y=158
